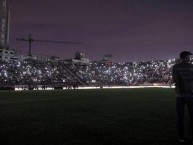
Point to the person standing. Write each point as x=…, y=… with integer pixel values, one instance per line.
x=182, y=74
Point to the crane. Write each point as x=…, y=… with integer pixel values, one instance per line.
x=30, y=40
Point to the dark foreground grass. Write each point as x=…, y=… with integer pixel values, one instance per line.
x=88, y=117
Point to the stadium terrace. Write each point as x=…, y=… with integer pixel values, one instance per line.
x=32, y=74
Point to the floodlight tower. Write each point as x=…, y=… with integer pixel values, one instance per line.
x=4, y=23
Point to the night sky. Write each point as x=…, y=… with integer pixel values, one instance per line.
x=130, y=30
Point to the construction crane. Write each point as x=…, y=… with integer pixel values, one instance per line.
x=30, y=40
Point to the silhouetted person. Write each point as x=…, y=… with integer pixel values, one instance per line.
x=183, y=78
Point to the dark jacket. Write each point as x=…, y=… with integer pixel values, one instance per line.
x=182, y=74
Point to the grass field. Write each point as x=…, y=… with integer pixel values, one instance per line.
x=88, y=117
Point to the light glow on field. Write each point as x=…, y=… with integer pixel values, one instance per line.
x=125, y=87
x=104, y=87
x=25, y=88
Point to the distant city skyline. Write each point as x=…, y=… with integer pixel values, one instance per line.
x=130, y=30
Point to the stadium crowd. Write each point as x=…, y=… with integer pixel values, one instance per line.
x=133, y=73
x=32, y=72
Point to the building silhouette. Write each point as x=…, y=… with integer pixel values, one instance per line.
x=4, y=23
x=6, y=54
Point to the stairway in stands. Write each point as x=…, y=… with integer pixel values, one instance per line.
x=74, y=75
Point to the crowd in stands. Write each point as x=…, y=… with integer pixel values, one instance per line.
x=133, y=73
x=34, y=72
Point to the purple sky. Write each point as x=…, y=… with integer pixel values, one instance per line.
x=130, y=30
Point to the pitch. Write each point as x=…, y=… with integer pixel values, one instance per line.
x=88, y=117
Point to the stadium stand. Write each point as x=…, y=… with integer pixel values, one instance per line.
x=32, y=73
